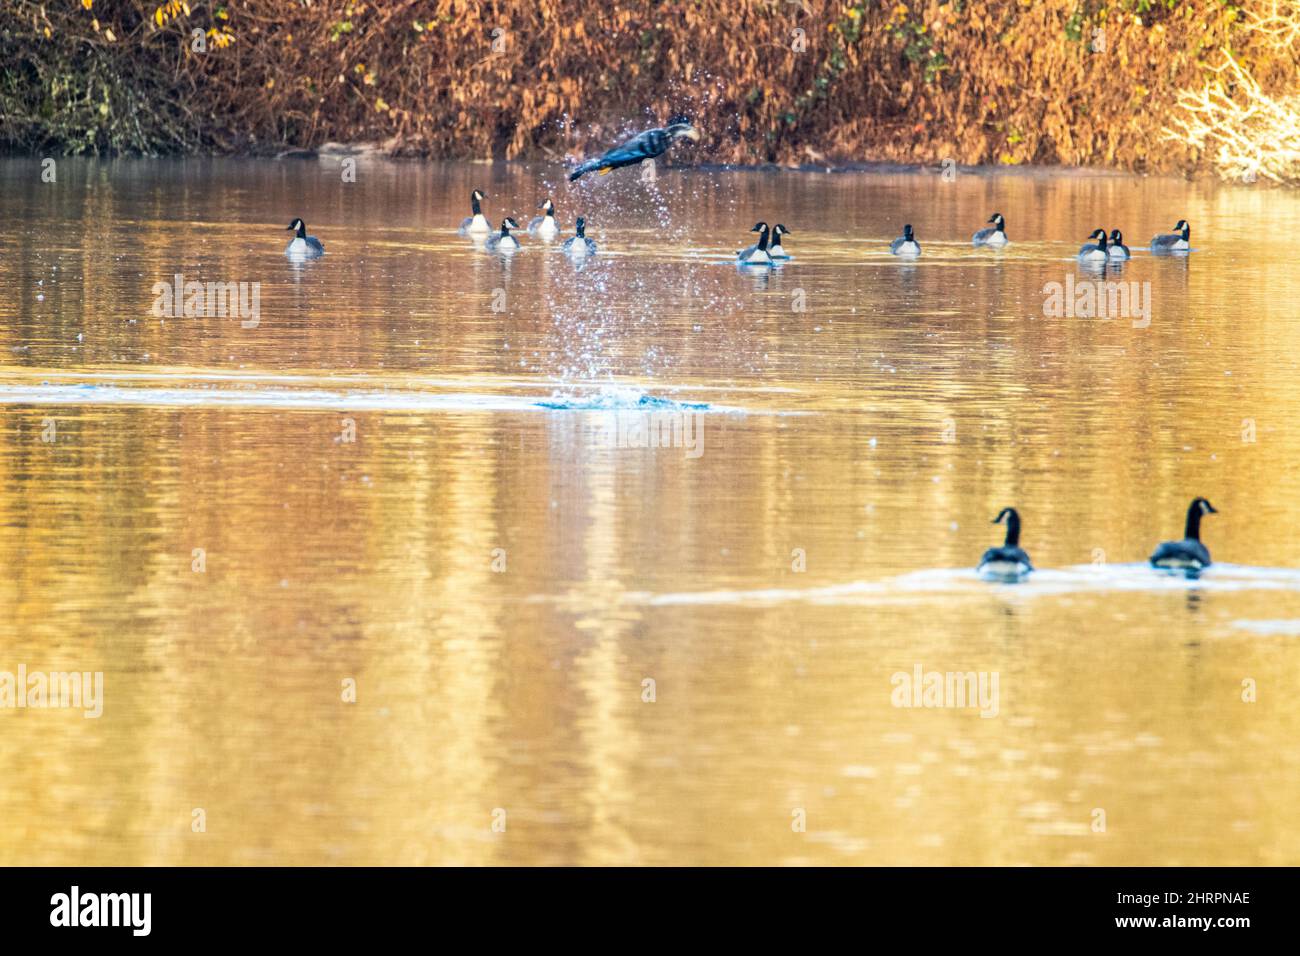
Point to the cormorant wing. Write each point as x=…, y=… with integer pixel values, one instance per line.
x=643, y=146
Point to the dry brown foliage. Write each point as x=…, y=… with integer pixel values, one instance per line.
x=789, y=81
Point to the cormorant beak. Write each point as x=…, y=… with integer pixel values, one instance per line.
x=691, y=133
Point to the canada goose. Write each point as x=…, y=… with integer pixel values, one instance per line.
x=1188, y=554
x=1095, y=252
x=545, y=224
x=303, y=245
x=756, y=255
x=905, y=245
x=1009, y=562
x=647, y=145
x=1180, y=240
x=503, y=241
x=476, y=223
x=1117, y=248
x=996, y=236
x=775, y=250
x=579, y=245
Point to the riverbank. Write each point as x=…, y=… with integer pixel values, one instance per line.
x=1137, y=85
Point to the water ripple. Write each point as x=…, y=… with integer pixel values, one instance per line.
x=926, y=586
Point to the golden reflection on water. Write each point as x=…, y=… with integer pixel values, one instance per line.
x=879, y=430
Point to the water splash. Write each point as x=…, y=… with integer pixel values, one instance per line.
x=619, y=399
x=240, y=391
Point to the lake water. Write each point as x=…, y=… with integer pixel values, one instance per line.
x=417, y=477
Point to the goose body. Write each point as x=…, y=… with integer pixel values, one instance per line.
x=643, y=146
x=579, y=246
x=905, y=245
x=1180, y=240
x=757, y=254
x=995, y=235
x=476, y=223
x=545, y=225
x=1188, y=555
x=503, y=241
x=303, y=246
x=1095, y=252
x=1009, y=562
x=774, y=250
x=1117, y=248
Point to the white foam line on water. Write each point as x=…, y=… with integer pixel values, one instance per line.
x=259, y=398
x=919, y=586
x=320, y=399
x=1266, y=628
x=414, y=381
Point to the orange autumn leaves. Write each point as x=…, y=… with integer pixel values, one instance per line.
x=1013, y=81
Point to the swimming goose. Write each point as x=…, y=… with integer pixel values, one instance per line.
x=643, y=146
x=476, y=223
x=1177, y=241
x=579, y=245
x=775, y=250
x=503, y=241
x=303, y=245
x=1188, y=554
x=1009, y=562
x=996, y=236
x=545, y=225
x=756, y=255
x=1095, y=252
x=1117, y=248
x=905, y=245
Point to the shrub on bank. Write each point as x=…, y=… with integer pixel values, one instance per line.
x=1098, y=82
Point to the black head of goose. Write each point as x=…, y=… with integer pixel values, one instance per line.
x=303, y=245
x=1095, y=251
x=475, y=223
x=757, y=254
x=503, y=241
x=579, y=245
x=775, y=250
x=906, y=244
x=1188, y=555
x=545, y=224
x=995, y=235
x=1180, y=240
x=1009, y=562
